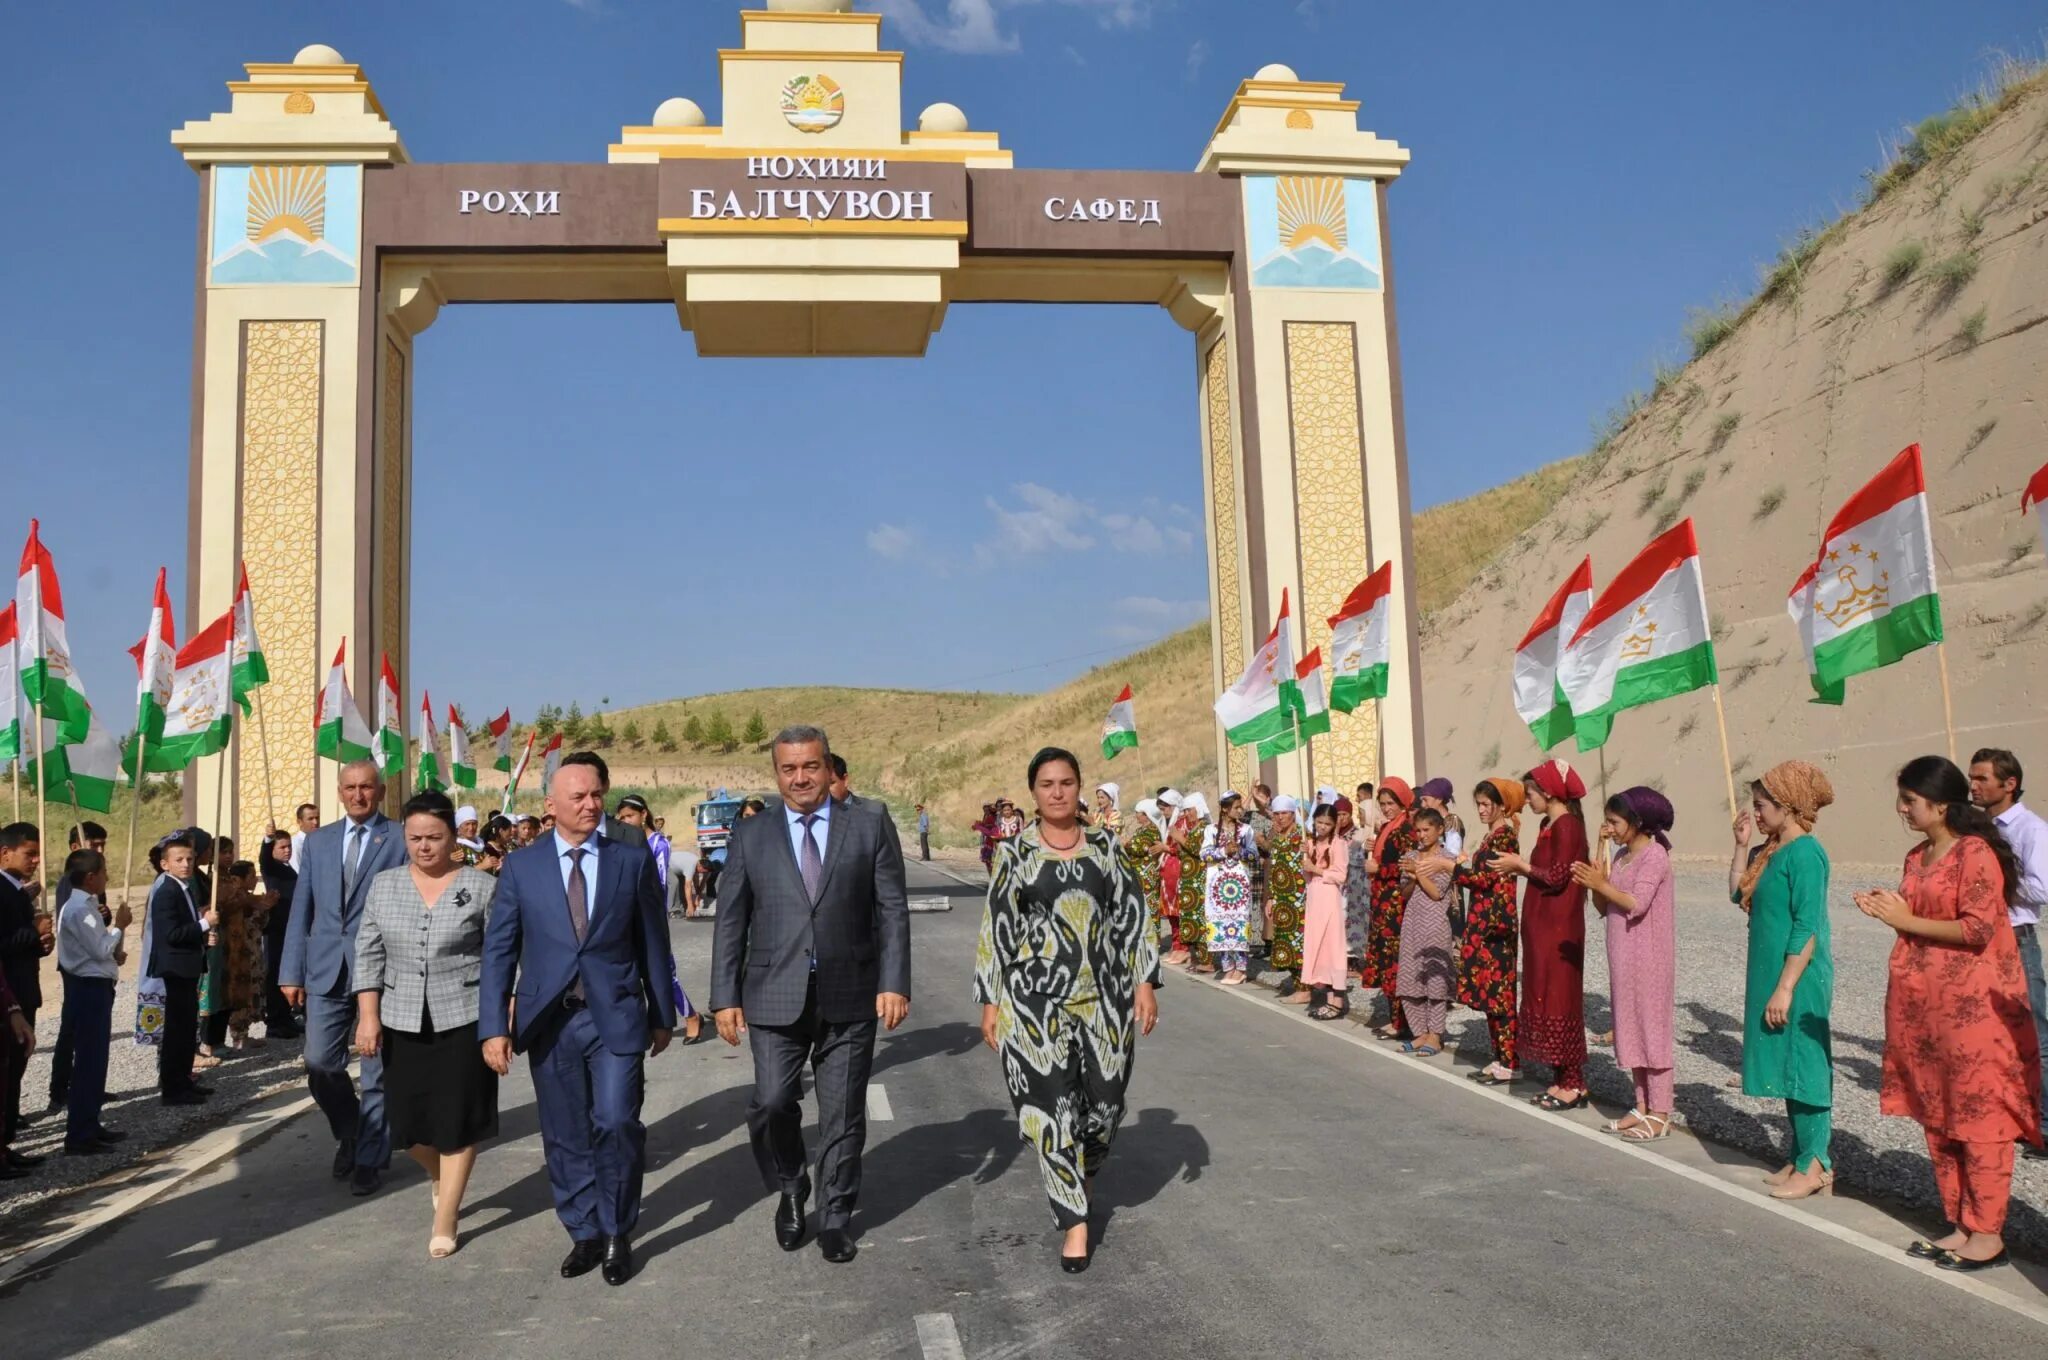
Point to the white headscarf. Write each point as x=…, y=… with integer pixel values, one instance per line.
x=1199, y=805
x=1326, y=796
x=465, y=814
x=1171, y=799
x=1116, y=795
x=1285, y=803
x=1149, y=809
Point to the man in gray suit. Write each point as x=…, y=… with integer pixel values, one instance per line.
x=340, y=859
x=811, y=951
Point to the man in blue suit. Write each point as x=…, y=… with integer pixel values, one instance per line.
x=339, y=860
x=578, y=922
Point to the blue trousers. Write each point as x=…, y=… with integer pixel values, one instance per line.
x=596, y=1146
x=330, y=1027
x=89, y=1015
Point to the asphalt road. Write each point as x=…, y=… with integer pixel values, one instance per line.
x=1272, y=1188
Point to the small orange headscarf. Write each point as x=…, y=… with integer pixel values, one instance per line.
x=1510, y=794
x=1403, y=795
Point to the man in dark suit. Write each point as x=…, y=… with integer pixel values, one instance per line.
x=23, y=942
x=336, y=865
x=812, y=949
x=16, y=1035
x=578, y=940
x=177, y=954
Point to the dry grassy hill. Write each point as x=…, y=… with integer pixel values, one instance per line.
x=1918, y=319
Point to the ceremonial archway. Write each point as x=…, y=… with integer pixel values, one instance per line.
x=808, y=223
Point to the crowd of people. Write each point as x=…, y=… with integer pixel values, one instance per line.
x=1390, y=892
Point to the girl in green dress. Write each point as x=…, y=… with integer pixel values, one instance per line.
x=1783, y=885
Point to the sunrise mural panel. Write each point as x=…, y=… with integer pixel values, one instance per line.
x=285, y=224
x=1312, y=231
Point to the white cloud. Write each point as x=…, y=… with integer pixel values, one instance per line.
x=1043, y=520
x=1142, y=618
x=976, y=26
x=1198, y=56
x=890, y=541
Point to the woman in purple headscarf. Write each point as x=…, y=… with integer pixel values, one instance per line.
x=1636, y=897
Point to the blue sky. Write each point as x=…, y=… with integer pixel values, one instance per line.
x=1024, y=502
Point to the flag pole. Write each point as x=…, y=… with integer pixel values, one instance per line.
x=1605, y=854
x=35, y=717
x=135, y=807
x=263, y=740
x=220, y=796
x=1727, y=762
x=1948, y=710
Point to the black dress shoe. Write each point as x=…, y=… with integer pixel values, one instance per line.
x=836, y=1245
x=789, y=1217
x=618, y=1259
x=106, y=1135
x=93, y=1148
x=21, y=1161
x=344, y=1158
x=184, y=1098
x=365, y=1181
x=583, y=1258
x=1948, y=1260
x=1923, y=1250
x=203, y=1092
x=10, y=1173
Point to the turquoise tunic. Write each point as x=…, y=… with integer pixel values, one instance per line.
x=1790, y=907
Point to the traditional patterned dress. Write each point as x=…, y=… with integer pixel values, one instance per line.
x=1427, y=975
x=1143, y=848
x=1357, y=899
x=1551, y=1024
x=1064, y=945
x=1486, y=951
x=1285, y=883
x=1227, y=901
x=1383, y=933
x=1194, y=926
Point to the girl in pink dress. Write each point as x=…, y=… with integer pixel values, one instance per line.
x=1326, y=865
x=1637, y=898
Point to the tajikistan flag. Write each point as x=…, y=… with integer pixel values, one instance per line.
x=550, y=761
x=342, y=733
x=1539, y=698
x=1646, y=638
x=156, y=661
x=10, y=688
x=250, y=669
x=1311, y=713
x=81, y=774
x=43, y=653
x=1870, y=597
x=390, y=745
x=1259, y=706
x=200, y=712
x=430, y=747
x=501, y=734
x=460, y=772
x=2036, y=495
x=1359, y=649
x=1120, y=728
x=518, y=772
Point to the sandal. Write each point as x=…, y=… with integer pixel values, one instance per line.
x=1622, y=1125
x=1326, y=1011
x=1487, y=1076
x=1388, y=1034
x=1652, y=1127
x=1549, y=1102
x=440, y=1248
x=1420, y=1050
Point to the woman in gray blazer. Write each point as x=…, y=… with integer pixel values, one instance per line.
x=419, y=953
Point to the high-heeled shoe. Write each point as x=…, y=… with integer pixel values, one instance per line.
x=440, y=1248
x=1823, y=1186
x=1780, y=1176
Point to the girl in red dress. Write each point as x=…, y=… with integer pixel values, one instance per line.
x=1551, y=1027
x=1960, y=1051
x=1395, y=838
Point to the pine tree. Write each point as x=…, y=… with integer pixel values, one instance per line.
x=630, y=733
x=718, y=732
x=693, y=731
x=596, y=732
x=548, y=720
x=664, y=740
x=756, y=731
x=572, y=723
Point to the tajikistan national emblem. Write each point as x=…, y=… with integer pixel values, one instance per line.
x=813, y=103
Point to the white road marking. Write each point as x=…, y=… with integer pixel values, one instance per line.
x=878, y=1104
x=1885, y=1251
x=931, y=904
x=938, y=1338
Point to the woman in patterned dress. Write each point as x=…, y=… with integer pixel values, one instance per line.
x=1286, y=885
x=1228, y=849
x=1486, y=950
x=1395, y=838
x=1960, y=1051
x=1065, y=973
x=1189, y=825
x=1551, y=1024
x=1109, y=808
x=1142, y=845
x=1427, y=978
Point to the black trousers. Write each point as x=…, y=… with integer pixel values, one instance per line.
x=14, y=1058
x=181, y=1036
x=60, y=1056
x=841, y=1056
x=276, y=1010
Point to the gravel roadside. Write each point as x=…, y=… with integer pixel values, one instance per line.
x=132, y=1104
